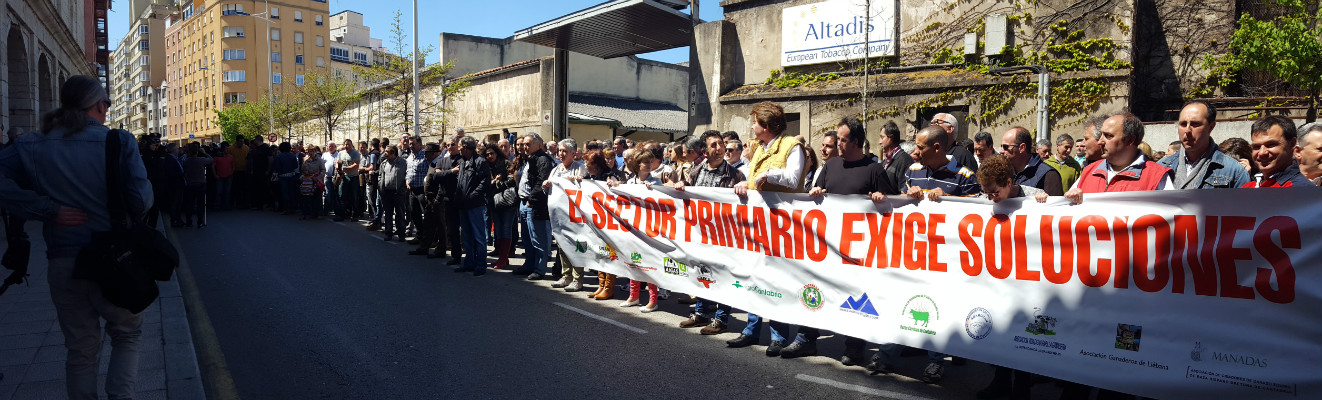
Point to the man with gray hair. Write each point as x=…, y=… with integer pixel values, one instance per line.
x=470, y=201
x=1044, y=148
x=458, y=133
x=534, y=212
x=1063, y=162
x=957, y=153
x=1308, y=152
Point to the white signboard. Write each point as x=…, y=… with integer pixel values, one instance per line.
x=834, y=30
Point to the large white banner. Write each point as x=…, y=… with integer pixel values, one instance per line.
x=1184, y=294
x=834, y=30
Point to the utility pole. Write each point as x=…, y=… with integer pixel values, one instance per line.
x=416, y=133
x=867, y=55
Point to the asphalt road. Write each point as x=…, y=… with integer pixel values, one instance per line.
x=325, y=310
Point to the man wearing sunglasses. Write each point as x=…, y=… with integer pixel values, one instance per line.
x=1029, y=169
x=958, y=153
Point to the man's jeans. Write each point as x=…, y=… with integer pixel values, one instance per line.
x=475, y=237
x=538, y=249
x=754, y=328
x=223, y=186
x=722, y=310
x=80, y=307
x=332, y=196
x=348, y=197
x=888, y=352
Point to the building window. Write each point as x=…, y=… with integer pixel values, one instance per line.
x=320, y=42
x=232, y=31
x=236, y=76
x=318, y=19
x=298, y=16
x=298, y=37
x=339, y=54
x=275, y=34
x=360, y=57
x=142, y=29
x=143, y=45
x=275, y=12
x=275, y=78
x=275, y=56
x=321, y=61
x=234, y=54
x=231, y=98
x=227, y=9
x=298, y=59
x=144, y=60
x=298, y=80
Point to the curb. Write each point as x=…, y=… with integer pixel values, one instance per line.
x=209, y=365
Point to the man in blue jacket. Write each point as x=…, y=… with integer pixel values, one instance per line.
x=1200, y=164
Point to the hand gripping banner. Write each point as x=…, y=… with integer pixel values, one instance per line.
x=1177, y=294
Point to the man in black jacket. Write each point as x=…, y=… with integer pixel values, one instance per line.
x=425, y=204
x=447, y=176
x=533, y=210
x=470, y=200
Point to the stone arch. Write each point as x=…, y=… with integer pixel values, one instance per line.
x=46, y=101
x=22, y=107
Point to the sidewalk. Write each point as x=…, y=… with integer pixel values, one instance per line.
x=32, y=349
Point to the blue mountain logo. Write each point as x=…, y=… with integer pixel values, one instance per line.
x=862, y=305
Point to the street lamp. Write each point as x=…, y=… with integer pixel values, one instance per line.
x=270, y=88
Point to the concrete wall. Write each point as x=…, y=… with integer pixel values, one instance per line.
x=501, y=101
x=623, y=77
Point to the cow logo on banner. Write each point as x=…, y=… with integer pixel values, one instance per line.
x=811, y=297
x=921, y=310
x=861, y=306
x=1128, y=337
x=1041, y=324
x=978, y=324
x=704, y=275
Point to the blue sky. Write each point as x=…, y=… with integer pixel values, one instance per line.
x=492, y=18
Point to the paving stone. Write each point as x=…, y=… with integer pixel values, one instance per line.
x=53, y=338
x=169, y=289
x=51, y=354
x=13, y=374
x=152, y=395
x=28, y=316
x=175, y=330
x=48, y=390
x=186, y=389
x=7, y=391
x=51, y=371
x=21, y=341
x=151, y=360
x=150, y=380
x=180, y=361
x=173, y=307
x=17, y=356
x=19, y=328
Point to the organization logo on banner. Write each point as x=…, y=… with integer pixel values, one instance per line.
x=922, y=311
x=1041, y=324
x=704, y=275
x=580, y=246
x=636, y=262
x=811, y=297
x=672, y=267
x=861, y=306
x=1228, y=358
x=607, y=251
x=755, y=289
x=1128, y=337
x=978, y=324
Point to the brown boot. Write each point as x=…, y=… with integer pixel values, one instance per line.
x=601, y=285
x=503, y=252
x=609, y=291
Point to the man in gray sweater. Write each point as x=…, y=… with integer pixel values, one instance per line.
x=394, y=195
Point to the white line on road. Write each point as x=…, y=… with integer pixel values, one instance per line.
x=599, y=318
x=861, y=389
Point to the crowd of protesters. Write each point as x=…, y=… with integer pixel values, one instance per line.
x=462, y=195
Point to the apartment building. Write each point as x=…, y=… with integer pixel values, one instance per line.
x=225, y=52
x=138, y=71
x=352, y=45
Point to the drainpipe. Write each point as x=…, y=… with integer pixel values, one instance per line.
x=1043, y=94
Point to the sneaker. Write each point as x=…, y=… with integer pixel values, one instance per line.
x=695, y=321
x=561, y=283
x=535, y=276
x=799, y=349
x=574, y=286
x=933, y=373
x=775, y=348
x=453, y=261
x=373, y=227
x=851, y=358
x=716, y=327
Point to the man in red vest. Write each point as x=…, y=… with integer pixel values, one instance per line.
x=1123, y=167
x=1274, y=140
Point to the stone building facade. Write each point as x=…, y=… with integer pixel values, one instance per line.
x=42, y=43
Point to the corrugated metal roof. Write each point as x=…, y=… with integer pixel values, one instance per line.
x=632, y=114
x=615, y=29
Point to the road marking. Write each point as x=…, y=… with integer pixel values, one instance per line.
x=861, y=389
x=599, y=318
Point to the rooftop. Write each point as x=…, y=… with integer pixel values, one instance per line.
x=632, y=114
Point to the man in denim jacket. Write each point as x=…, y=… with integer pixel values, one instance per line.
x=1199, y=164
x=68, y=193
